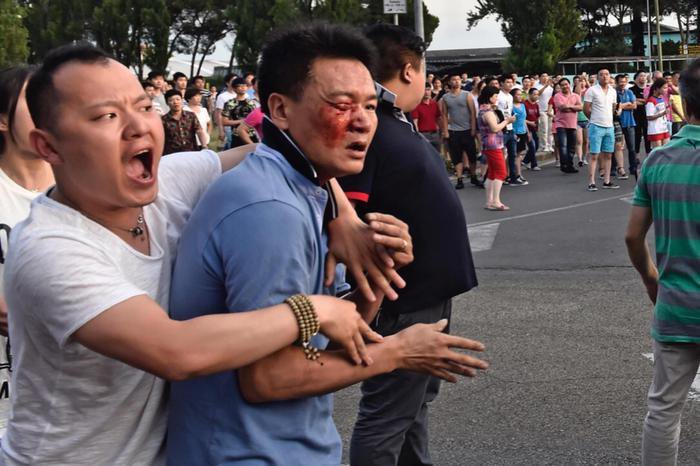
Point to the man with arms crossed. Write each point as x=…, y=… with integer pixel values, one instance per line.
x=598, y=105
x=666, y=195
x=87, y=279
x=320, y=101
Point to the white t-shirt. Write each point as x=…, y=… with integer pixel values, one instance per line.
x=14, y=207
x=545, y=95
x=601, y=105
x=71, y=405
x=505, y=104
x=204, y=118
x=652, y=107
x=222, y=98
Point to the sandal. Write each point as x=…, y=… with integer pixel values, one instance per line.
x=500, y=208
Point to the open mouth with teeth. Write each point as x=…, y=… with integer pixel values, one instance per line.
x=140, y=166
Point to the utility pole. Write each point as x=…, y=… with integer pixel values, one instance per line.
x=658, y=37
x=649, y=52
x=418, y=14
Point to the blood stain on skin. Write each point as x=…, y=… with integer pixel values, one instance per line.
x=334, y=125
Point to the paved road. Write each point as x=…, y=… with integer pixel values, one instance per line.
x=566, y=323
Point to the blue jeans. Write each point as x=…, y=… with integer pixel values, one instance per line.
x=510, y=143
x=532, y=145
x=566, y=141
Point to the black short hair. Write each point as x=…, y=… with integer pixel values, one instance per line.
x=171, y=93
x=486, y=94
x=287, y=57
x=667, y=73
x=199, y=76
x=564, y=79
x=636, y=75
x=146, y=84
x=179, y=75
x=229, y=77
x=515, y=90
x=620, y=76
x=154, y=74
x=532, y=90
x=690, y=88
x=191, y=92
x=658, y=84
x=43, y=99
x=11, y=82
x=504, y=77
x=397, y=46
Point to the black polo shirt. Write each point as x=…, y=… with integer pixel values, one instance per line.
x=640, y=116
x=404, y=176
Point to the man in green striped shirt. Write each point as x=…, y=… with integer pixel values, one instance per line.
x=668, y=195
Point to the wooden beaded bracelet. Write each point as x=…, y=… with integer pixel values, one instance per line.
x=307, y=319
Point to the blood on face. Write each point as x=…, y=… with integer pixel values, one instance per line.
x=335, y=119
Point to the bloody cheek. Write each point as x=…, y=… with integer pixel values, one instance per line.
x=333, y=125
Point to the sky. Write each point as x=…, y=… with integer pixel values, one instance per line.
x=452, y=31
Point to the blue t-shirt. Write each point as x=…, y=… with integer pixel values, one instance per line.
x=253, y=240
x=627, y=116
x=520, y=113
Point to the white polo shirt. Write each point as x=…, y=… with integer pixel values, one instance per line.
x=505, y=104
x=601, y=105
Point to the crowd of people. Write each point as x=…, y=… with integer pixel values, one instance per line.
x=202, y=308
x=589, y=120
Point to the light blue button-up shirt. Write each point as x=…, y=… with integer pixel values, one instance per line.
x=254, y=239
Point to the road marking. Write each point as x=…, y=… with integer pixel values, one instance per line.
x=694, y=392
x=481, y=238
x=549, y=211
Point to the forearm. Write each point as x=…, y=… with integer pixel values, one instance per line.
x=367, y=309
x=244, y=135
x=287, y=374
x=641, y=259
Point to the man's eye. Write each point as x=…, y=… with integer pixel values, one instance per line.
x=147, y=108
x=371, y=107
x=107, y=116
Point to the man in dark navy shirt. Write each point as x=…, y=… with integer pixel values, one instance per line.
x=403, y=175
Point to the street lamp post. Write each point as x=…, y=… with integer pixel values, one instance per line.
x=658, y=37
x=418, y=14
x=651, y=63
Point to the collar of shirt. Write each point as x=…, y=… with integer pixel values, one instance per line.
x=387, y=101
x=281, y=142
x=687, y=136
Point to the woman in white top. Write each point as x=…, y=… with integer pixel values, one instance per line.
x=23, y=176
x=193, y=97
x=657, y=125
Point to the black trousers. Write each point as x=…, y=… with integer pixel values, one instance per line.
x=641, y=135
x=392, y=423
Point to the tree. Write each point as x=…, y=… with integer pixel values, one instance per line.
x=126, y=28
x=55, y=22
x=540, y=33
x=13, y=34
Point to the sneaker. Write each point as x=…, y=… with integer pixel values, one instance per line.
x=569, y=169
x=518, y=182
x=592, y=187
x=611, y=185
x=520, y=178
x=536, y=169
x=477, y=184
x=585, y=162
x=557, y=164
x=460, y=184
x=580, y=163
x=623, y=177
x=506, y=182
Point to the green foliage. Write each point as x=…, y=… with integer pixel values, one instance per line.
x=56, y=22
x=255, y=19
x=13, y=34
x=127, y=28
x=540, y=33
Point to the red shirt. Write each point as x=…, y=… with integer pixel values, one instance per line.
x=533, y=111
x=565, y=119
x=427, y=115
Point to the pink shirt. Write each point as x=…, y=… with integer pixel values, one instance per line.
x=255, y=120
x=565, y=119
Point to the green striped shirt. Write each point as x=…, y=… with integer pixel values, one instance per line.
x=669, y=185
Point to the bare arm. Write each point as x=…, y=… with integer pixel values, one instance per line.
x=288, y=375
x=493, y=123
x=638, y=251
x=219, y=123
x=232, y=157
x=677, y=110
x=243, y=133
x=587, y=109
x=472, y=115
x=444, y=118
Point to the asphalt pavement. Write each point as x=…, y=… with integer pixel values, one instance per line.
x=566, y=323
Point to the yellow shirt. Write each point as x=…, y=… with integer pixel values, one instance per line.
x=676, y=103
